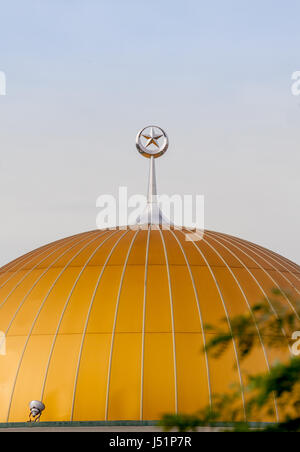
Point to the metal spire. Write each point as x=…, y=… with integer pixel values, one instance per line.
x=152, y=187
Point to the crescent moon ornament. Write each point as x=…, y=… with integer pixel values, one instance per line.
x=152, y=141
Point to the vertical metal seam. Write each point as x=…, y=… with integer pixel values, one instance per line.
x=272, y=279
x=287, y=261
x=144, y=323
x=36, y=254
x=258, y=284
x=88, y=316
x=23, y=261
x=229, y=325
x=36, y=283
x=254, y=278
x=63, y=313
x=30, y=271
x=255, y=251
x=40, y=309
x=248, y=305
x=172, y=319
x=200, y=316
x=18, y=260
x=295, y=267
x=275, y=257
x=28, y=257
x=115, y=323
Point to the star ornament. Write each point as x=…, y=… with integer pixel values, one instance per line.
x=152, y=141
x=153, y=138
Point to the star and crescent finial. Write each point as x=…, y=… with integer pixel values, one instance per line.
x=152, y=141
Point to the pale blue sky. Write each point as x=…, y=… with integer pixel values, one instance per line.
x=84, y=76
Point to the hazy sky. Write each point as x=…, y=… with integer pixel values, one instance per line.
x=83, y=76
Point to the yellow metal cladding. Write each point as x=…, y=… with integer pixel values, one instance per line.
x=109, y=325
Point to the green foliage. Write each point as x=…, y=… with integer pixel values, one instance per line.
x=274, y=319
x=182, y=422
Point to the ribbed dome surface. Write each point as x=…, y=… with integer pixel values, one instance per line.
x=108, y=325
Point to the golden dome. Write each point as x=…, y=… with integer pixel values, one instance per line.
x=108, y=325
